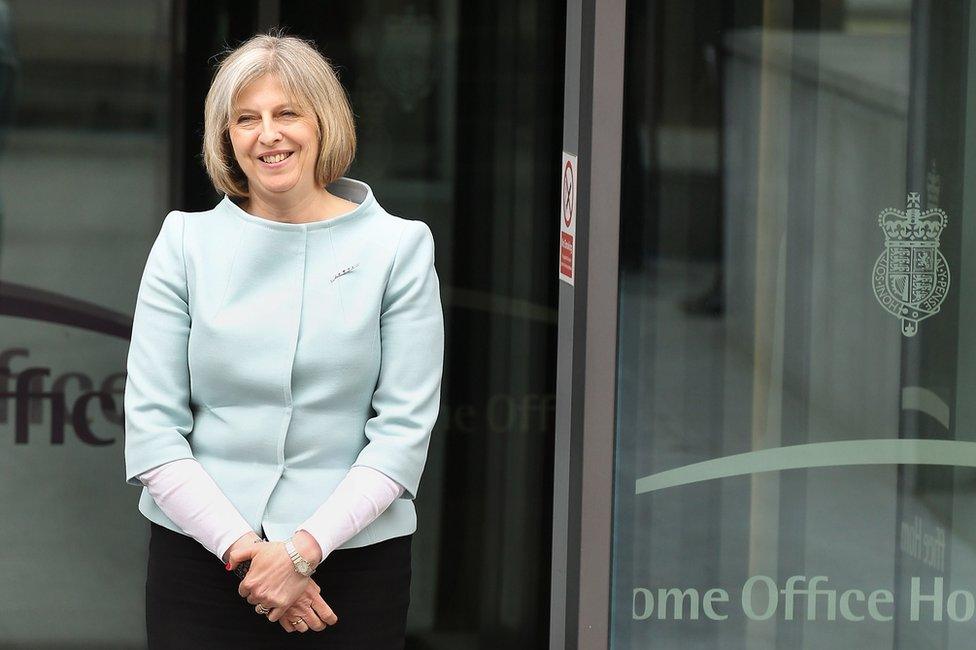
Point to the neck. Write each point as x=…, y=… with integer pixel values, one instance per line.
x=289, y=209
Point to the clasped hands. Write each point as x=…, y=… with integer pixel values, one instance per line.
x=273, y=582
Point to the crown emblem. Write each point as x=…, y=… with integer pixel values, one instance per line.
x=911, y=277
x=913, y=225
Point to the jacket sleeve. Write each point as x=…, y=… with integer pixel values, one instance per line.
x=156, y=402
x=407, y=395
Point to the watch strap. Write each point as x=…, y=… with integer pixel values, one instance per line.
x=302, y=565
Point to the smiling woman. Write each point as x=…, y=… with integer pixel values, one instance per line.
x=296, y=330
x=277, y=95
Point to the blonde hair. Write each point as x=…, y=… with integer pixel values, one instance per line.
x=309, y=81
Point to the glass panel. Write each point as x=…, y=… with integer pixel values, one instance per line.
x=794, y=453
x=83, y=189
x=455, y=130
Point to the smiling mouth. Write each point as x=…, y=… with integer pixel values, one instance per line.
x=275, y=159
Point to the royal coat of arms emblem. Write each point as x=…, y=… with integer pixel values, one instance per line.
x=911, y=277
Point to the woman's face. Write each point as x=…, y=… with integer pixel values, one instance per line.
x=264, y=121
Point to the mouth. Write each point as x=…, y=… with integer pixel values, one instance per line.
x=277, y=160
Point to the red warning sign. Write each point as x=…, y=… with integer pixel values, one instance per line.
x=567, y=220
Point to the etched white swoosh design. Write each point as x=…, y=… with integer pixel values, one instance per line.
x=917, y=398
x=821, y=454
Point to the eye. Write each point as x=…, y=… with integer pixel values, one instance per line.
x=243, y=118
x=288, y=113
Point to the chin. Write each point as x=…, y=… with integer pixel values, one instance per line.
x=278, y=186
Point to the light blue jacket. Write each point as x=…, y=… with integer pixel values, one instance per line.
x=279, y=355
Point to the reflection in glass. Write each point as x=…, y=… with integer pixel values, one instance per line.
x=455, y=130
x=84, y=133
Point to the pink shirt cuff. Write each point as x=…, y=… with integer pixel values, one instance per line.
x=362, y=496
x=188, y=495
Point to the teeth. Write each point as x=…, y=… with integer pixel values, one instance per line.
x=275, y=159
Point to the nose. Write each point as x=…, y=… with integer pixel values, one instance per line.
x=269, y=131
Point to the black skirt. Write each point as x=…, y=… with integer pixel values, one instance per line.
x=192, y=600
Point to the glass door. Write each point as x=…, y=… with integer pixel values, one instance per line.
x=795, y=417
x=454, y=130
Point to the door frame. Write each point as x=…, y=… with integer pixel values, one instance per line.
x=587, y=336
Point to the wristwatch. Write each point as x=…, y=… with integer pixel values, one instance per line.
x=301, y=564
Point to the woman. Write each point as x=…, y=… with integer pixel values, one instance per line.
x=283, y=378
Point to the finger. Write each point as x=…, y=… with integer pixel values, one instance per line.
x=303, y=609
x=312, y=618
x=292, y=621
x=276, y=613
x=323, y=611
x=293, y=618
x=239, y=555
x=246, y=588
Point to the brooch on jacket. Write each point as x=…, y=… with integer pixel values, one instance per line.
x=342, y=272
